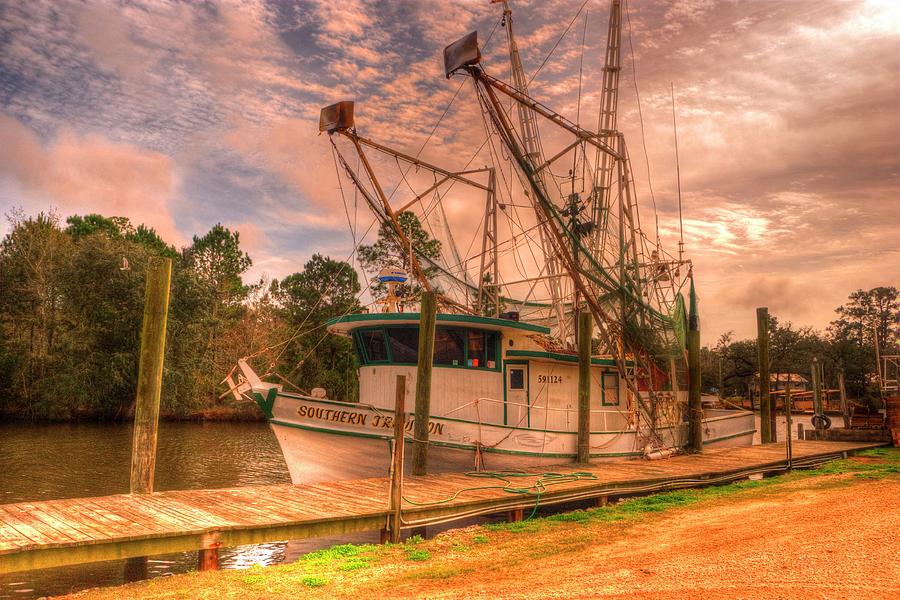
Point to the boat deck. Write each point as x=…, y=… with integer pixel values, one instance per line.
x=74, y=531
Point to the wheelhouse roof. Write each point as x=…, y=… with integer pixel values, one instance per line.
x=348, y=323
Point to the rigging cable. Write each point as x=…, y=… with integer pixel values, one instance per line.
x=637, y=96
x=677, y=178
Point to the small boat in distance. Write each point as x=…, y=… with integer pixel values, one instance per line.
x=504, y=390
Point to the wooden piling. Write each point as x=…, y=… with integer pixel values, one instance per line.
x=150, y=370
x=427, y=318
x=788, y=414
x=817, y=390
x=146, y=404
x=765, y=405
x=585, y=329
x=695, y=406
x=396, y=496
x=845, y=407
x=208, y=556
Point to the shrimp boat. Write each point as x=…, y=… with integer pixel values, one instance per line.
x=555, y=247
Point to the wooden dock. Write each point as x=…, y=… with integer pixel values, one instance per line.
x=53, y=533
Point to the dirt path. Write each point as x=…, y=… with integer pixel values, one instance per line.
x=835, y=536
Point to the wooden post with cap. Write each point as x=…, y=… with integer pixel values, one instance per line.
x=427, y=318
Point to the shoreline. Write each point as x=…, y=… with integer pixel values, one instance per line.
x=787, y=526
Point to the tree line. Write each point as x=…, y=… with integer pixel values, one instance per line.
x=848, y=345
x=72, y=303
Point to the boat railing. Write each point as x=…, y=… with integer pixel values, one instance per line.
x=534, y=416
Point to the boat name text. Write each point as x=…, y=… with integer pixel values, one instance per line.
x=355, y=418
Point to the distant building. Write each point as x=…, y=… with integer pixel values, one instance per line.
x=779, y=381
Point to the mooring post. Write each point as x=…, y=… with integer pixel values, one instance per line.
x=396, y=497
x=427, y=318
x=845, y=407
x=585, y=330
x=765, y=406
x=818, y=409
x=788, y=410
x=695, y=406
x=149, y=385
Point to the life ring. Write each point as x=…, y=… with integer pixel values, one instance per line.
x=821, y=422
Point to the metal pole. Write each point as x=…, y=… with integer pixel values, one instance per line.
x=427, y=317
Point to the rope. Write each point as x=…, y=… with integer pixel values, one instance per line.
x=536, y=489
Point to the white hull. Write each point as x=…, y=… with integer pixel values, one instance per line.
x=324, y=440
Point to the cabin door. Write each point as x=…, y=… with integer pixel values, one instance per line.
x=516, y=411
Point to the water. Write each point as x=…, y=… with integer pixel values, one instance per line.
x=45, y=462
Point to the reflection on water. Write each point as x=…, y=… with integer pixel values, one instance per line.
x=44, y=462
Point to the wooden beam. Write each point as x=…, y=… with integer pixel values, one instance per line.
x=585, y=330
x=695, y=406
x=396, y=498
x=845, y=406
x=765, y=402
x=427, y=318
x=817, y=391
x=149, y=388
x=150, y=370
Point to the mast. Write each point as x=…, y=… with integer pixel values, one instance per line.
x=531, y=142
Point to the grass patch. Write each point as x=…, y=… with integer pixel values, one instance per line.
x=529, y=526
x=440, y=572
x=314, y=581
x=417, y=554
x=480, y=539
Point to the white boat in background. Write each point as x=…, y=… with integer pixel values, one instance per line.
x=505, y=375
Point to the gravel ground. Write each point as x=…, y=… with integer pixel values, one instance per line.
x=834, y=536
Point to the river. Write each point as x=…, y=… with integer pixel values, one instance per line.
x=44, y=462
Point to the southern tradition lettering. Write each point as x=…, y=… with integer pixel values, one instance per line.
x=354, y=418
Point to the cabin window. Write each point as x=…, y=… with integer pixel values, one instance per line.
x=610, y=389
x=374, y=345
x=404, y=344
x=453, y=346
x=449, y=347
x=517, y=379
x=475, y=354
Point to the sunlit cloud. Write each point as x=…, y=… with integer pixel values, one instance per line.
x=182, y=115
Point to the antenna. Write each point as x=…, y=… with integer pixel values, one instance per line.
x=678, y=178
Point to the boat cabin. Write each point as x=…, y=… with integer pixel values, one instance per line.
x=486, y=370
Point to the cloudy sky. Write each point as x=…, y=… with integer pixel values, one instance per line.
x=182, y=115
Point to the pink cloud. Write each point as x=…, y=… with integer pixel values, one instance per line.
x=79, y=174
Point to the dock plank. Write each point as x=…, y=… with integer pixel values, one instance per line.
x=59, y=532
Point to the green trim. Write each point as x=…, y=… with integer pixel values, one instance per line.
x=369, y=408
x=449, y=444
x=364, y=317
x=506, y=387
x=603, y=401
x=606, y=362
x=266, y=403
